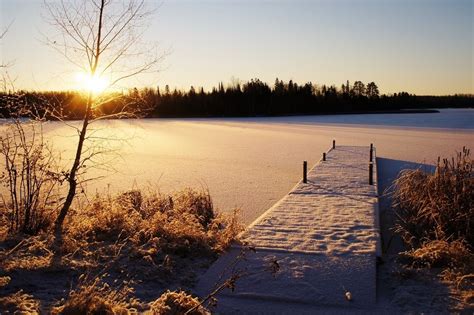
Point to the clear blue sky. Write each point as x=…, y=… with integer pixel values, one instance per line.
x=419, y=46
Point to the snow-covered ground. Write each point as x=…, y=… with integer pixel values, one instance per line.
x=251, y=163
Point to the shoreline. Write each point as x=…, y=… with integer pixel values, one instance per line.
x=336, y=113
x=399, y=111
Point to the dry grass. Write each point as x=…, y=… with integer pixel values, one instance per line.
x=152, y=237
x=150, y=226
x=26, y=253
x=436, y=220
x=183, y=223
x=176, y=303
x=462, y=285
x=441, y=253
x=19, y=303
x=437, y=206
x=92, y=296
x=4, y=281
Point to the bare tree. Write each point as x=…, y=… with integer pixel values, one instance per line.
x=103, y=39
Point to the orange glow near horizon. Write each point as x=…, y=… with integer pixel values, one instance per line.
x=95, y=84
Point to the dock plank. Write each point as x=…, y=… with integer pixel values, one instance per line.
x=323, y=235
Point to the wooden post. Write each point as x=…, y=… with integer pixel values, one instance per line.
x=371, y=173
x=324, y=156
x=371, y=152
x=333, y=144
x=305, y=172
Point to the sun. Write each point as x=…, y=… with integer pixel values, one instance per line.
x=94, y=84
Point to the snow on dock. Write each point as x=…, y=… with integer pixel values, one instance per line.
x=315, y=249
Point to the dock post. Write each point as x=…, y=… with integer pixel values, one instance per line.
x=305, y=172
x=371, y=151
x=371, y=173
x=324, y=156
x=333, y=144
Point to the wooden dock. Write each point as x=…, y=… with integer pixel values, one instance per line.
x=314, y=250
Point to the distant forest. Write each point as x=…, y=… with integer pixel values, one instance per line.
x=252, y=98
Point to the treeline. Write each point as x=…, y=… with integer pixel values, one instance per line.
x=252, y=98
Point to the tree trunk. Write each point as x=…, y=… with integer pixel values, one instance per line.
x=82, y=137
x=72, y=180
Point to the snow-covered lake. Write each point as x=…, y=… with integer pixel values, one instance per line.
x=251, y=163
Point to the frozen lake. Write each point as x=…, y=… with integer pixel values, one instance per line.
x=250, y=163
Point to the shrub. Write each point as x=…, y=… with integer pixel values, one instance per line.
x=437, y=206
x=436, y=219
x=29, y=177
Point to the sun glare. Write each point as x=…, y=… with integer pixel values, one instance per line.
x=94, y=84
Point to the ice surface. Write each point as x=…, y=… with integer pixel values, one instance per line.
x=251, y=163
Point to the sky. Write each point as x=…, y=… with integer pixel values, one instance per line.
x=420, y=46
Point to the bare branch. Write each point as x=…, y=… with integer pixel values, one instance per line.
x=102, y=38
x=5, y=31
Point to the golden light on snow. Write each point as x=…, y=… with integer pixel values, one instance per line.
x=95, y=84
